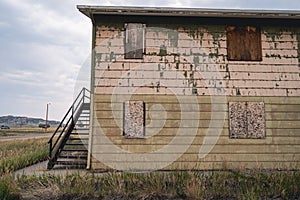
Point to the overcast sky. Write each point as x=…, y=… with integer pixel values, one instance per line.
x=44, y=44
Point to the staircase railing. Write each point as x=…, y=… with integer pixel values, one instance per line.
x=67, y=124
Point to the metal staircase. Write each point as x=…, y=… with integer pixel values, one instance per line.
x=69, y=142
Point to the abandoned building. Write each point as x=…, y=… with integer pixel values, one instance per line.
x=183, y=88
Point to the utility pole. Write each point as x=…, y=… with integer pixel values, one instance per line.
x=47, y=108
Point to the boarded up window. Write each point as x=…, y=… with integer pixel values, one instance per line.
x=247, y=120
x=244, y=43
x=134, y=119
x=134, y=41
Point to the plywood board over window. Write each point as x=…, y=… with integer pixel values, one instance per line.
x=247, y=120
x=134, y=40
x=134, y=119
x=244, y=43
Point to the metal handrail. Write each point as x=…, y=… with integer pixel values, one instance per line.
x=79, y=100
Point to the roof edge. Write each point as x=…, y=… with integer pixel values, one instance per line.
x=89, y=11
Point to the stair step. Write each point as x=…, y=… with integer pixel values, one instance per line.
x=74, y=144
x=79, y=133
x=84, y=127
x=78, y=139
x=72, y=163
x=79, y=128
x=74, y=150
x=79, y=157
x=76, y=154
x=86, y=106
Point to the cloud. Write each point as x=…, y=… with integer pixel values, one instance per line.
x=43, y=48
x=45, y=43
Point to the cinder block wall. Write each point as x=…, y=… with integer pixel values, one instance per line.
x=195, y=66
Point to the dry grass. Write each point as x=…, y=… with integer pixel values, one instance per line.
x=27, y=130
x=17, y=154
x=164, y=185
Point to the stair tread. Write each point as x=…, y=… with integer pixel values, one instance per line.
x=81, y=157
x=64, y=159
x=79, y=150
x=79, y=133
x=75, y=142
x=76, y=146
x=70, y=163
x=76, y=139
x=79, y=128
x=75, y=150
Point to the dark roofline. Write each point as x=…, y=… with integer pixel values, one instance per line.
x=188, y=12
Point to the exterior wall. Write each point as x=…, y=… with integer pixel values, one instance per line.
x=280, y=148
x=195, y=66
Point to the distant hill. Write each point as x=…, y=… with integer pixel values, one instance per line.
x=25, y=121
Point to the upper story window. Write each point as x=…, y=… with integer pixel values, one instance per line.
x=134, y=40
x=244, y=43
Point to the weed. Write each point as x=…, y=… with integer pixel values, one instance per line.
x=8, y=188
x=18, y=154
x=162, y=185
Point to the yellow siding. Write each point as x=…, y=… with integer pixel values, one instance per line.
x=280, y=148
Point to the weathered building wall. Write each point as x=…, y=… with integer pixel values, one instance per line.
x=191, y=62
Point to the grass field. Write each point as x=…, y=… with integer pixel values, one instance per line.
x=239, y=184
x=157, y=185
x=17, y=154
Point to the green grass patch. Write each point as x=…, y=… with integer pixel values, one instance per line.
x=8, y=188
x=17, y=154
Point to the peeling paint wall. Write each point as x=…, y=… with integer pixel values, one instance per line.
x=194, y=62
